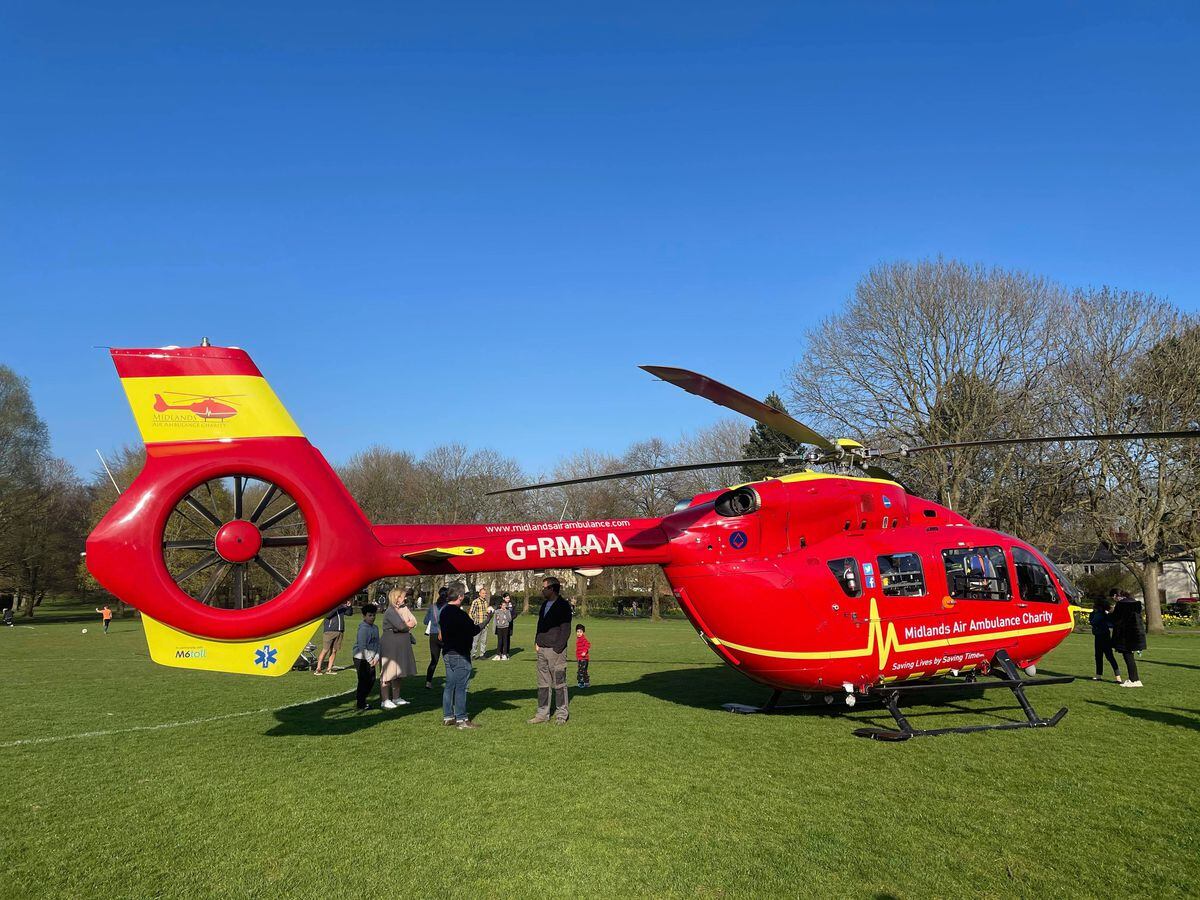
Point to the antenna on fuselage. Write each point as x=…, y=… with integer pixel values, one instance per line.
x=109, y=471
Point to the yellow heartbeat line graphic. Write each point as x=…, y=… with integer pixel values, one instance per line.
x=877, y=641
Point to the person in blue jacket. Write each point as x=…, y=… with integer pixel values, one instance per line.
x=366, y=656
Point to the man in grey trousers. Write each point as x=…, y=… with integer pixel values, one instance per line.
x=553, y=633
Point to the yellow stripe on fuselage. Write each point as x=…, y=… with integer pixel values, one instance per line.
x=886, y=644
x=199, y=408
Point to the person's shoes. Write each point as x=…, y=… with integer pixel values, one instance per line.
x=467, y=723
x=400, y=701
x=587, y=684
x=1131, y=684
x=1095, y=678
x=448, y=721
x=429, y=684
x=558, y=721
x=388, y=704
x=364, y=708
x=1118, y=677
x=538, y=720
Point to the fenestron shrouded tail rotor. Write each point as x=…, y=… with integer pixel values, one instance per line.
x=844, y=452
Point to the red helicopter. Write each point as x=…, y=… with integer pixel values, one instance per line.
x=206, y=407
x=839, y=586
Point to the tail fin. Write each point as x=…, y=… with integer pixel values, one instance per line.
x=206, y=413
x=206, y=378
x=269, y=656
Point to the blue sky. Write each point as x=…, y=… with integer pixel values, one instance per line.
x=472, y=221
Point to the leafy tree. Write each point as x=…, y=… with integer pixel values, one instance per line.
x=766, y=441
x=24, y=445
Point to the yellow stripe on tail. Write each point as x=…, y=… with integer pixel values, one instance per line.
x=265, y=656
x=207, y=408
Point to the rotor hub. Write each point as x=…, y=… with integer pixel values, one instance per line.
x=238, y=541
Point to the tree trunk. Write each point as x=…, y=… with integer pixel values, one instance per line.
x=33, y=594
x=583, y=589
x=655, y=605
x=1154, y=619
x=525, y=582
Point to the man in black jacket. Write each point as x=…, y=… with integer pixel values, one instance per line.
x=553, y=633
x=456, y=631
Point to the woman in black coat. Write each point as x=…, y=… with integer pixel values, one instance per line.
x=1128, y=636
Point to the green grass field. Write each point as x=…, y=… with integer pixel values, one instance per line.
x=125, y=779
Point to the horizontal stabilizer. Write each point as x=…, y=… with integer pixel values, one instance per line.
x=431, y=554
x=264, y=656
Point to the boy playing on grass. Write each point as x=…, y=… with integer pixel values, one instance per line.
x=583, y=655
x=106, y=614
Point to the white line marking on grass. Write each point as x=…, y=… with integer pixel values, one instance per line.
x=92, y=734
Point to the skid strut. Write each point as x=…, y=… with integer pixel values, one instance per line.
x=1008, y=677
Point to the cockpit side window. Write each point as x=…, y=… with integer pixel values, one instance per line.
x=845, y=570
x=977, y=573
x=901, y=575
x=1033, y=581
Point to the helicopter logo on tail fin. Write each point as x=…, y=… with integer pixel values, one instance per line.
x=204, y=406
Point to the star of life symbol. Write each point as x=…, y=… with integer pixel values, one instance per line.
x=266, y=657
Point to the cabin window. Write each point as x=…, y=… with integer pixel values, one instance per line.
x=900, y=575
x=977, y=573
x=1033, y=581
x=845, y=570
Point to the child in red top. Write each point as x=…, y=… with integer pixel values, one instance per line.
x=583, y=655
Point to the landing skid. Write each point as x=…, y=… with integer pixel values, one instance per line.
x=1009, y=677
x=889, y=697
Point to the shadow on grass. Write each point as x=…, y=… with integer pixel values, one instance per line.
x=698, y=687
x=1173, y=665
x=1190, y=719
x=702, y=688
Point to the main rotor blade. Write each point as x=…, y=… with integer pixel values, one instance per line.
x=997, y=442
x=723, y=395
x=634, y=473
x=877, y=472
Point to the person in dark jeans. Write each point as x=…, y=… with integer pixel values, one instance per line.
x=553, y=634
x=1129, y=636
x=432, y=628
x=583, y=656
x=457, y=633
x=1101, y=621
x=504, y=622
x=366, y=656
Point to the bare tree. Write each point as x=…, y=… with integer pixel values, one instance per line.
x=932, y=352
x=1134, y=366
